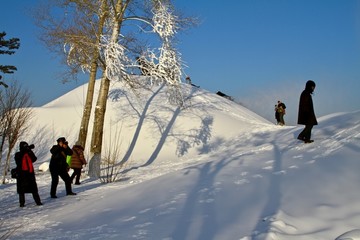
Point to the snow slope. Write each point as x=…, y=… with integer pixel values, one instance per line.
x=211, y=170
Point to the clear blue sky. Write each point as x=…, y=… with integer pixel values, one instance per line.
x=258, y=51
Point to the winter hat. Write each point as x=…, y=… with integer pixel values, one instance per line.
x=61, y=139
x=23, y=145
x=309, y=85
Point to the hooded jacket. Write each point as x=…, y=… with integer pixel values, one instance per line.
x=77, y=158
x=306, y=115
x=25, y=182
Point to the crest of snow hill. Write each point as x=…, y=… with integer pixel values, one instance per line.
x=142, y=124
x=145, y=128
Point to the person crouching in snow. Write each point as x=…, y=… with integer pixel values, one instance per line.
x=26, y=181
x=77, y=162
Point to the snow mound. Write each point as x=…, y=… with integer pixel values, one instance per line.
x=144, y=123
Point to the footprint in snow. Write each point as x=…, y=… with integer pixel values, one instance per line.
x=293, y=166
x=268, y=168
x=241, y=181
x=279, y=172
x=145, y=210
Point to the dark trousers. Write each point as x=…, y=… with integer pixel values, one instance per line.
x=77, y=174
x=55, y=180
x=306, y=133
x=35, y=196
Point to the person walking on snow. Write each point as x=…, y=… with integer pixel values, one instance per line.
x=280, y=112
x=306, y=114
x=25, y=180
x=77, y=162
x=59, y=167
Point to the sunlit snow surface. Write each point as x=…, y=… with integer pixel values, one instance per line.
x=211, y=169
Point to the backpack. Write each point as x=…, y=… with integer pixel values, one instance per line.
x=68, y=160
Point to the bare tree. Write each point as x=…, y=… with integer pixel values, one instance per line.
x=103, y=35
x=16, y=113
x=75, y=35
x=116, y=57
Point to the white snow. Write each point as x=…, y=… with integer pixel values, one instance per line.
x=212, y=170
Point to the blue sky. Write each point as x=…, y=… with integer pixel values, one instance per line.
x=258, y=51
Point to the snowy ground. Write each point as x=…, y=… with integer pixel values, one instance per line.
x=214, y=170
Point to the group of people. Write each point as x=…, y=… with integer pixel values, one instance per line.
x=306, y=114
x=26, y=182
x=280, y=112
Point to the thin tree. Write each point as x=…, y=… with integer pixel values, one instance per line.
x=15, y=116
x=96, y=141
x=167, y=69
x=75, y=35
x=7, y=47
x=91, y=31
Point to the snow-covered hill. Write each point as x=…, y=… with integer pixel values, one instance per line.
x=145, y=126
x=211, y=170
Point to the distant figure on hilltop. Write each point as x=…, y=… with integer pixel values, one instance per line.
x=188, y=81
x=280, y=112
x=306, y=114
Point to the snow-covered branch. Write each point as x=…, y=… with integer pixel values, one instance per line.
x=115, y=58
x=164, y=22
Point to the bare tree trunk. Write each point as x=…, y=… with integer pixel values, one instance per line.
x=2, y=142
x=6, y=166
x=96, y=141
x=91, y=85
x=97, y=135
x=88, y=106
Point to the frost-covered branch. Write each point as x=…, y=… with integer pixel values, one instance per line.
x=164, y=21
x=76, y=56
x=115, y=59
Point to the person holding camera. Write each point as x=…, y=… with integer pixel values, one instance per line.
x=25, y=180
x=59, y=167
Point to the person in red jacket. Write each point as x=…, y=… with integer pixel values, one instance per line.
x=25, y=180
x=306, y=114
x=77, y=162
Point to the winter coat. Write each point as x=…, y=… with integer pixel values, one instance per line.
x=77, y=158
x=25, y=181
x=306, y=115
x=58, y=158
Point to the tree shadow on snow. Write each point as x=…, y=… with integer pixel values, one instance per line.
x=164, y=126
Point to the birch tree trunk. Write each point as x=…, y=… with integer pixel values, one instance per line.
x=98, y=129
x=92, y=78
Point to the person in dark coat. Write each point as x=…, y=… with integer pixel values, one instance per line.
x=59, y=167
x=25, y=181
x=306, y=114
x=280, y=112
x=77, y=162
